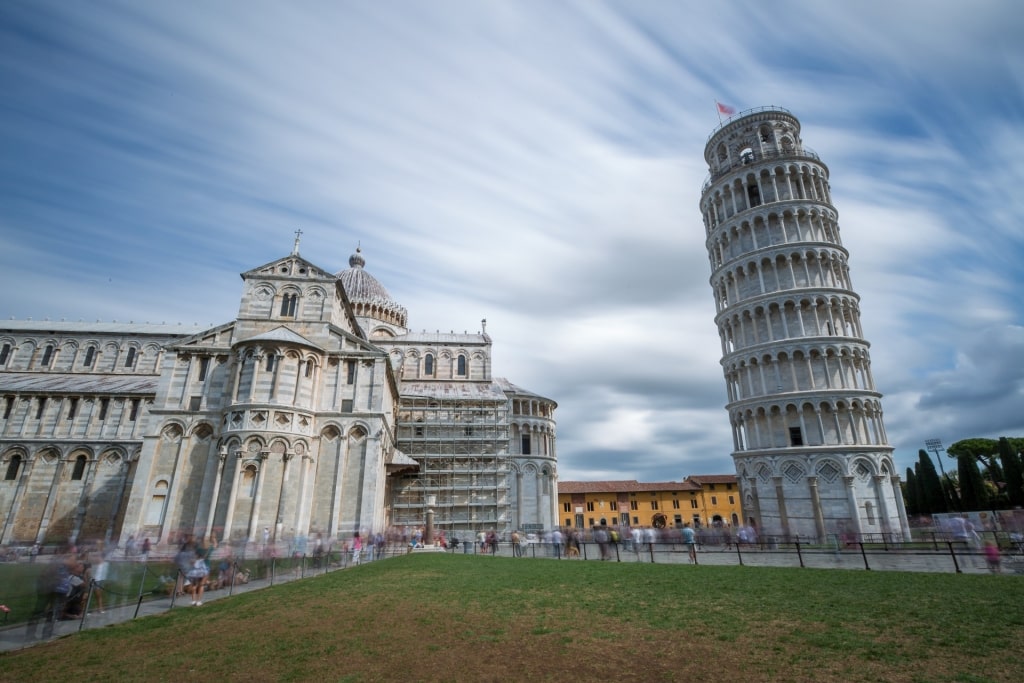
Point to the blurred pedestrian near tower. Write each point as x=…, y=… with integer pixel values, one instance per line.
x=810, y=446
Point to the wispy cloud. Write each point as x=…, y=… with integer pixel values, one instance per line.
x=536, y=164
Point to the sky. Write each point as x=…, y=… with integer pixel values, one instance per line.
x=537, y=164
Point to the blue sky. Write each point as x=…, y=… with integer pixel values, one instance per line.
x=537, y=164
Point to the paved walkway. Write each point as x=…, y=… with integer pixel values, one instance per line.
x=920, y=560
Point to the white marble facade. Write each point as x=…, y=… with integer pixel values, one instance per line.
x=287, y=421
x=811, y=451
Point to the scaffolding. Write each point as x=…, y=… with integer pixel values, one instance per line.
x=462, y=445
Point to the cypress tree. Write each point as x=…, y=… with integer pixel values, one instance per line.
x=911, y=493
x=972, y=487
x=1012, y=471
x=933, y=498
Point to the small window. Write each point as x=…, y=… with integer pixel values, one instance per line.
x=419, y=430
x=8, y=406
x=714, y=500
x=309, y=368
x=72, y=408
x=47, y=355
x=633, y=505
x=525, y=441
x=90, y=357
x=693, y=503
x=40, y=408
x=79, y=471
x=270, y=362
x=5, y=353
x=796, y=437
x=135, y=410
x=654, y=505
x=590, y=506
x=129, y=361
x=12, y=468
x=428, y=365
x=104, y=405
x=675, y=503
x=566, y=507
x=346, y=405
x=468, y=431
x=732, y=500
x=462, y=364
x=350, y=366
x=194, y=403
x=204, y=368
x=614, y=505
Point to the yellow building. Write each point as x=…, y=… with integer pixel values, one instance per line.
x=705, y=500
x=716, y=502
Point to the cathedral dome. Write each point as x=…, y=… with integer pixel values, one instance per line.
x=369, y=298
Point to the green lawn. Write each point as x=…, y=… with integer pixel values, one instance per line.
x=460, y=617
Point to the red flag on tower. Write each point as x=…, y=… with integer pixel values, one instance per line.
x=725, y=109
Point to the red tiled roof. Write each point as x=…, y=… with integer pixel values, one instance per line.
x=701, y=479
x=624, y=486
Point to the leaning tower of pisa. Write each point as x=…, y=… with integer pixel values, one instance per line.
x=811, y=451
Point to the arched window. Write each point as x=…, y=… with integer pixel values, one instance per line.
x=79, y=471
x=12, y=468
x=129, y=361
x=288, y=304
x=90, y=357
x=428, y=365
x=5, y=352
x=462, y=364
x=47, y=355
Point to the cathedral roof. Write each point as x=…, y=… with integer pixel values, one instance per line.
x=282, y=335
x=78, y=383
x=485, y=391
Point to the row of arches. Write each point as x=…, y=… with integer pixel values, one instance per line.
x=781, y=272
x=72, y=355
x=777, y=135
x=766, y=322
x=796, y=180
x=827, y=468
x=288, y=301
x=443, y=363
x=804, y=369
x=824, y=423
x=74, y=490
x=771, y=227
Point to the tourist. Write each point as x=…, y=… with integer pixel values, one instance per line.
x=992, y=557
x=690, y=541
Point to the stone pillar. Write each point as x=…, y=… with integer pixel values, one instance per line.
x=851, y=501
x=229, y=518
x=222, y=457
x=254, y=517
x=819, y=517
x=783, y=515
x=901, y=508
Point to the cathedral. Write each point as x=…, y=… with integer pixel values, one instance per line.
x=316, y=411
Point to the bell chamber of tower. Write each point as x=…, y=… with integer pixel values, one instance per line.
x=810, y=447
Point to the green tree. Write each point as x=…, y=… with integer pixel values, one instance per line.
x=972, y=487
x=1013, y=472
x=911, y=493
x=984, y=450
x=933, y=499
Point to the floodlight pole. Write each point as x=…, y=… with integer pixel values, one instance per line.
x=935, y=445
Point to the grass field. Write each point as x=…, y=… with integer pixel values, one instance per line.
x=454, y=617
